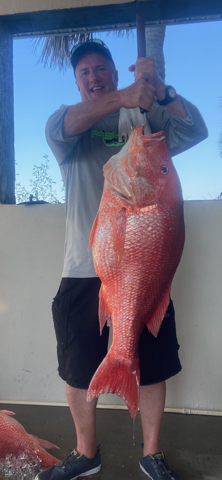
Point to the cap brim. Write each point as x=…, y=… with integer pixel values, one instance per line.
x=89, y=47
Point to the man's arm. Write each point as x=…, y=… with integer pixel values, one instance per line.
x=84, y=115
x=141, y=93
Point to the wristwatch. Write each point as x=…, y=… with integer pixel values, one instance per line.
x=170, y=96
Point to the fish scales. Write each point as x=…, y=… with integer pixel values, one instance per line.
x=137, y=240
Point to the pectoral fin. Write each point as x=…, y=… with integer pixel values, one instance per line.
x=43, y=443
x=154, y=323
x=104, y=315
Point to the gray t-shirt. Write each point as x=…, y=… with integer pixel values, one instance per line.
x=81, y=159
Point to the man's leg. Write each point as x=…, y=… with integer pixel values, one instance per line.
x=152, y=402
x=80, y=350
x=84, y=416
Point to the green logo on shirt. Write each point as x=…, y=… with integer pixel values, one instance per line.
x=110, y=139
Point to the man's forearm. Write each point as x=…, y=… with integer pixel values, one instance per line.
x=82, y=116
x=177, y=107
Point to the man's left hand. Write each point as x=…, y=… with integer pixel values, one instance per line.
x=145, y=69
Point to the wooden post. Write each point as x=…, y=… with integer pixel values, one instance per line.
x=7, y=157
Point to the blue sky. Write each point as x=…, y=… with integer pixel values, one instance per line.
x=193, y=67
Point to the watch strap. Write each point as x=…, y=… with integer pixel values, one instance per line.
x=168, y=98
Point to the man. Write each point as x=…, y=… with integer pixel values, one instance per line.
x=83, y=137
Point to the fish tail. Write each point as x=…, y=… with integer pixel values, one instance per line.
x=115, y=376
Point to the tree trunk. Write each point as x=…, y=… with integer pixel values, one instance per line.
x=154, y=47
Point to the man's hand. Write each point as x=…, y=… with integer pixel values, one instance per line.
x=139, y=94
x=147, y=84
x=145, y=69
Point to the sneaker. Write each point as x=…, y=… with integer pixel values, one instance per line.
x=156, y=467
x=74, y=466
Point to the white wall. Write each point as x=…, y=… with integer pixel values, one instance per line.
x=9, y=7
x=31, y=255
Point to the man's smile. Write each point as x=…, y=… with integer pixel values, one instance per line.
x=93, y=89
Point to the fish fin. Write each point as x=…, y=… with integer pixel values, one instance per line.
x=7, y=412
x=93, y=231
x=154, y=324
x=119, y=232
x=43, y=443
x=115, y=376
x=104, y=315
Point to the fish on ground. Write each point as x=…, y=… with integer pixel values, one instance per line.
x=137, y=240
x=14, y=440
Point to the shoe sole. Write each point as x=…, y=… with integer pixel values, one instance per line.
x=90, y=472
x=144, y=471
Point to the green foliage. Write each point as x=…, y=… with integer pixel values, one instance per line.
x=41, y=186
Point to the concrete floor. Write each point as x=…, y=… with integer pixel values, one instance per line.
x=191, y=443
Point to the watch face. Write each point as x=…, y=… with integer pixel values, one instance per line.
x=171, y=92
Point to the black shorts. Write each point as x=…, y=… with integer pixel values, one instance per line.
x=81, y=348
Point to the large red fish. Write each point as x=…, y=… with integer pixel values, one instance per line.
x=15, y=440
x=137, y=240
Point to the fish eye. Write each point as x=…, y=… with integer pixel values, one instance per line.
x=164, y=170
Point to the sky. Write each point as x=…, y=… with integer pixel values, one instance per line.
x=193, y=66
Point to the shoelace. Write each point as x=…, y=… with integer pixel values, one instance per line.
x=161, y=466
x=71, y=455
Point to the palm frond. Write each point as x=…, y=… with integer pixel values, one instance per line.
x=56, y=48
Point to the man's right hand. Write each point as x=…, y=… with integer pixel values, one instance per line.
x=139, y=94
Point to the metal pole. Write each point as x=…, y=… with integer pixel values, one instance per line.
x=141, y=40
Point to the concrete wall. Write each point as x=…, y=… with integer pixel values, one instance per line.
x=31, y=255
x=22, y=6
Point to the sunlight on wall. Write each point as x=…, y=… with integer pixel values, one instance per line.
x=3, y=307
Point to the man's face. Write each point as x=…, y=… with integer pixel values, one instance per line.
x=95, y=76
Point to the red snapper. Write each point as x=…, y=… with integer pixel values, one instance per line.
x=137, y=241
x=14, y=440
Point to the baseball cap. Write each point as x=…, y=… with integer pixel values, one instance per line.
x=93, y=45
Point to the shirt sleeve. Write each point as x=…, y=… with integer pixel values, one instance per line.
x=63, y=147
x=181, y=133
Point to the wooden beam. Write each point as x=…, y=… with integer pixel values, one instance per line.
x=7, y=158
x=105, y=17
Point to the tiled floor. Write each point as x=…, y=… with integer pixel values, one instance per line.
x=191, y=443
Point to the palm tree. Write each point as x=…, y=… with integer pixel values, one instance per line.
x=56, y=49
x=155, y=36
